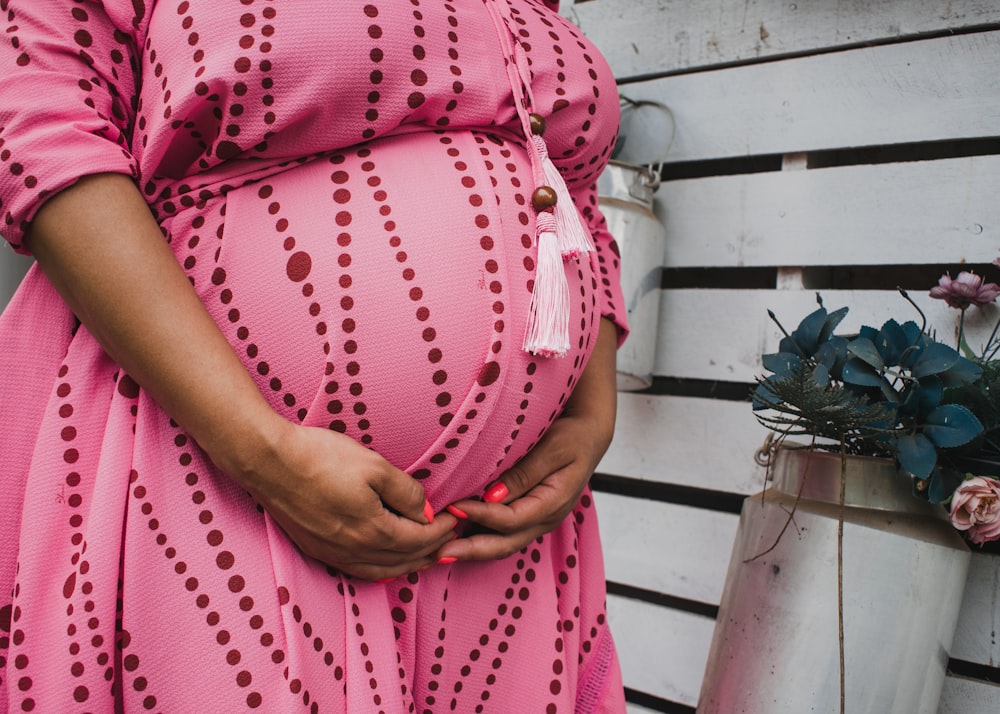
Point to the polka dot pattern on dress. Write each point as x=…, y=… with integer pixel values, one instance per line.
x=370, y=258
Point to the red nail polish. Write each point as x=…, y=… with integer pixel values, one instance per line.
x=428, y=512
x=385, y=580
x=457, y=512
x=447, y=560
x=496, y=493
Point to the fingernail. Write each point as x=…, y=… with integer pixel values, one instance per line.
x=385, y=580
x=428, y=511
x=446, y=560
x=496, y=493
x=457, y=512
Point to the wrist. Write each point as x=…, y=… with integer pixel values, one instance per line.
x=242, y=446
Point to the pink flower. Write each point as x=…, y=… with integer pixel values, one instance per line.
x=975, y=507
x=967, y=289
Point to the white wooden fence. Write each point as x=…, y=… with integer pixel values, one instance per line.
x=841, y=146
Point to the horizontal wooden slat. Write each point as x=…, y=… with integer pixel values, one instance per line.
x=929, y=90
x=662, y=651
x=703, y=443
x=720, y=334
x=979, y=622
x=664, y=547
x=641, y=37
x=903, y=213
x=969, y=696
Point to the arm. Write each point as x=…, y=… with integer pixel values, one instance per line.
x=70, y=113
x=546, y=484
x=102, y=249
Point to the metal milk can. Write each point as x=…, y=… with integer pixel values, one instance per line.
x=625, y=196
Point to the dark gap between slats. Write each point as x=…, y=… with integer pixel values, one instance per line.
x=657, y=704
x=705, y=388
x=973, y=670
x=916, y=279
x=703, y=498
x=655, y=598
x=827, y=158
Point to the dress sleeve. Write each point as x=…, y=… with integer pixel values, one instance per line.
x=68, y=79
x=608, y=260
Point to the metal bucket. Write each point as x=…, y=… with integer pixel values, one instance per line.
x=775, y=649
x=625, y=196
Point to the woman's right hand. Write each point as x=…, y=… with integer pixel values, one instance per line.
x=342, y=503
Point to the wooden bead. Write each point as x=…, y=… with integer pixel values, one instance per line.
x=543, y=197
x=537, y=122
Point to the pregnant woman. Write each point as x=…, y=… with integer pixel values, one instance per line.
x=300, y=401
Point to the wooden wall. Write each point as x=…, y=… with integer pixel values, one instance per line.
x=844, y=147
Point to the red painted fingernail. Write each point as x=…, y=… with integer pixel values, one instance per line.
x=428, y=511
x=457, y=512
x=446, y=560
x=497, y=493
x=385, y=580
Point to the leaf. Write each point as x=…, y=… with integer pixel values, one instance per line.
x=821, y=375
x=943, y=483
x=964, y=372
x=781, y=363
x=806, y=335
x=831, y=323
x=892, y=342
x=865, y=350
x=921, y=396
x=934, y=359
x=951, y=425
x=916, y=454
x=856, y=371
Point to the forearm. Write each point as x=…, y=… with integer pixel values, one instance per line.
x=595, y=395
x=103, y=251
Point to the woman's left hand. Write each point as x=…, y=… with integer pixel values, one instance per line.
x=534, y=496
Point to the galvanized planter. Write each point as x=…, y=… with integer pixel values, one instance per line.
x=625, y=195
x=775, y=648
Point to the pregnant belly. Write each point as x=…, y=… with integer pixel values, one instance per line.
x=383, y=293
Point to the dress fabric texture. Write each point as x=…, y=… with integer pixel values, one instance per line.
x=347, y=187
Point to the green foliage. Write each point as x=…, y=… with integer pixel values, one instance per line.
x=893, y=391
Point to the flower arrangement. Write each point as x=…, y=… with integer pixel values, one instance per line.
x=898, y=392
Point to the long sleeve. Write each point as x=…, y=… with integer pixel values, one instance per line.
x=612, y=302
x=68, y=78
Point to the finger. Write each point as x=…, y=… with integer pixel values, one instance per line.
x=504, y=517
x=546, y=458
x=403, y=494
x=387, y=574
x=398, y=534
x=487, y=546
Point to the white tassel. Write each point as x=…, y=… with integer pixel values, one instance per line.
x=547, y=334
x=574, y=240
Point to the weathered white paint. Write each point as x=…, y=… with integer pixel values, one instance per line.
x=641, y=37
x=662, y=652
x=914, y=213
x=732, y=328
x=665, y=547
x=979, y=623
x=969, y=696
x=928, y=90
x=677, y=440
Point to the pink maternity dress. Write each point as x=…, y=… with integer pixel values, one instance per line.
x=347, y=186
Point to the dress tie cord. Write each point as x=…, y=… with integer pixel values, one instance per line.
x=560, y=234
